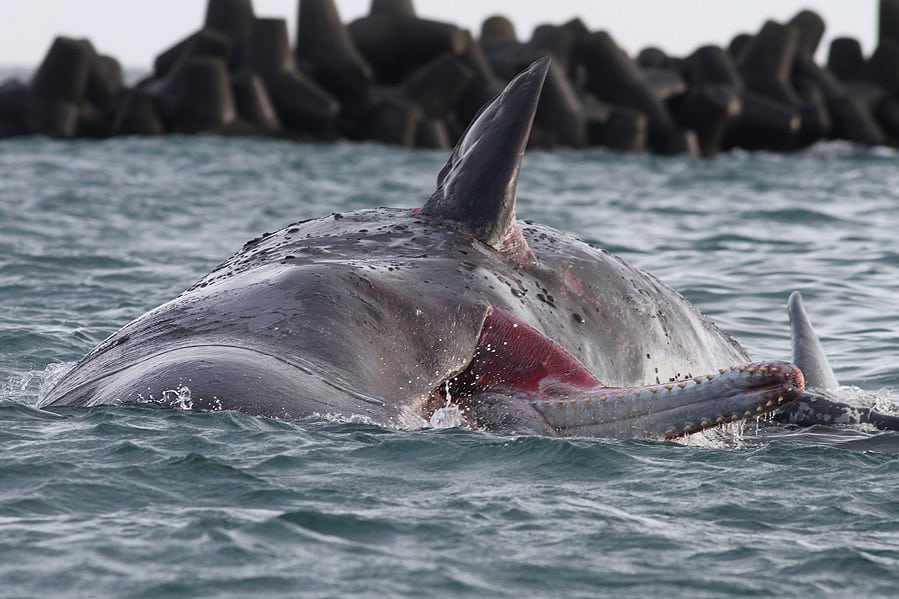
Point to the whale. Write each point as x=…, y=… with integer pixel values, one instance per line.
x=453, y=307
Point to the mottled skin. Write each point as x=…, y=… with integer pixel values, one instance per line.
x=386, y=312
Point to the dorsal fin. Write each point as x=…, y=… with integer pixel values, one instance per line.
x=808, y=354
x=476, y=188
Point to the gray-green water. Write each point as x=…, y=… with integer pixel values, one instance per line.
x=140, y=502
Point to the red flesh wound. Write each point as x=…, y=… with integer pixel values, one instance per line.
x=514, y=356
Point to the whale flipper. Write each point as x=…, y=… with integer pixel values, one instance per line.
x=476, y=188
x=808, y=354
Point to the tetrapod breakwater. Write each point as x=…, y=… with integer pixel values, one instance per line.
x=397, y=77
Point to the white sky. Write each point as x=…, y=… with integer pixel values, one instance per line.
x=134, y=31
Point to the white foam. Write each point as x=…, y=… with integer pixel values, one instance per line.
x=21, y=387
x=449, y=416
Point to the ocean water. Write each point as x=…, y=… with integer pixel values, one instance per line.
x=142, y=502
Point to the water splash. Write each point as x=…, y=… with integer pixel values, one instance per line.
x=337, y=418
x=731, y=435
x=178, y=398
x=29, y=388
x=450, y=415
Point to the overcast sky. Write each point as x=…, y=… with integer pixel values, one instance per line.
x=135, y=31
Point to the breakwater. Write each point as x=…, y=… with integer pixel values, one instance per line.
x=400, y=78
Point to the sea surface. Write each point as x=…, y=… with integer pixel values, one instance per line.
x=143, y=502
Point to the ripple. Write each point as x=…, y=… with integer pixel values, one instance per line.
x=226, y=504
